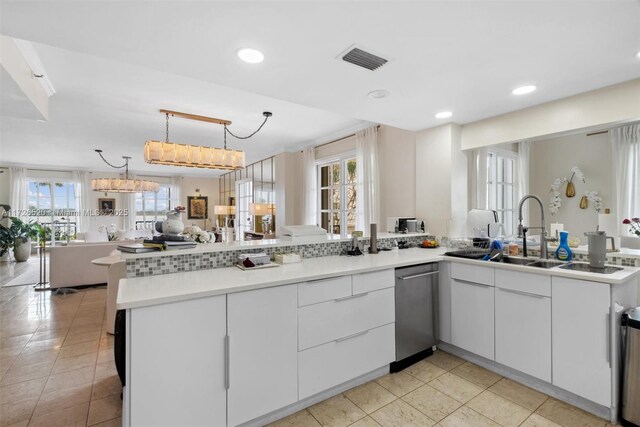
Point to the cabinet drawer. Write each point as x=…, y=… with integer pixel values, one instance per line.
x=335, y=319
x=367, y=282
x=323, y=290
x=537, y=284
x=472, y=273
x=334, y=363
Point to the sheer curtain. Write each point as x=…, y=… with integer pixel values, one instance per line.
x=174, y=189
x=18, y=192
x=310, y=182
x=625, y=146
x=524, y=147
x=368, y=180
x=82, y=186
x=479, y=179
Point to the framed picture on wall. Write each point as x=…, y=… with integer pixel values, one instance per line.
x=106, y=206
x=197, y=207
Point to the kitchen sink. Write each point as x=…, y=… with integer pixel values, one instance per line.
x=545, y=263
x=519, y=261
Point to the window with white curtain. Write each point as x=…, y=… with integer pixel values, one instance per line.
x=502, y=187
x=337, y=196
x=633, y=180
x=152, y=207
x=54, y=204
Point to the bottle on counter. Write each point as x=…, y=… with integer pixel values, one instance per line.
x=563, y=253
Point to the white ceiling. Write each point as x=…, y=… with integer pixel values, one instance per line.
x=115, y=63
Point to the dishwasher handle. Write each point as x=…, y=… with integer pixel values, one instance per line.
x=413, y=276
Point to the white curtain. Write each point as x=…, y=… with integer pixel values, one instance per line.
x=479, y=179
x=82, y=184
x=524, y=148
x=18, y=191
x=625, y=146
x=310, y=182
x=368, y=180
x=129, y=204
x=174, y=189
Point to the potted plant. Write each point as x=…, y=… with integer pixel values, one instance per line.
x=6, y=241
x=22, y=232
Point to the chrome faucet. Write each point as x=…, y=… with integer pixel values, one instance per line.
x=522, y=230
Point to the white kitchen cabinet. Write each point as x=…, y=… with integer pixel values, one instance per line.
x=263, y=352
x=472, y=315
x=523, y=331
x=581, y=340
x=177, y=364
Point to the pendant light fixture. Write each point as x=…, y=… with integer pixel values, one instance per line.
x=173, y=154
x=119, y=185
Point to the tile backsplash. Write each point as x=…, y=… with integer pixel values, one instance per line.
x=175, y=262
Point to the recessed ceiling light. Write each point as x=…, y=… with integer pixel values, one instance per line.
x=523, y=90
x=252, y=56
x=444, y=115
x=379, y=94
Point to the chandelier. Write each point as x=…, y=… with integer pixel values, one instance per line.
x=196, y=156
x=120, y=185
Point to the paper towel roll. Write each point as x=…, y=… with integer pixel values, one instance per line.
x=556, y=228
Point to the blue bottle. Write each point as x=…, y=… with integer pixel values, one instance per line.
x=563, y=253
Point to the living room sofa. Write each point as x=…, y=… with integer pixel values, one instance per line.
x=71, y=265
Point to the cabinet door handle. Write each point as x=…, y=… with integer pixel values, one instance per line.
x=529, y=294
x=351, y=297
x=226, y=363
x=608, y=335
x=348, y=337
x=418, y=275
x=473, y=283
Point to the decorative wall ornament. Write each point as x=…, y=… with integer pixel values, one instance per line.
x=555, y=201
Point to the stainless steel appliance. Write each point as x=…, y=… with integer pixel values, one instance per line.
x=416, y=313
x=631, y=367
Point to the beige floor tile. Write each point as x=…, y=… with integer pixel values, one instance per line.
x=425, y=371
x=25, y=373
x=337, y=411
x=365, y=422
x=68, y=379
x=34, y=358
x=23, y=423
x=103, y=387
x=467, y=417
x=400, y=414
x=14, y=412
x=503, y=411
x=50, y=334
x=80, y=348
x=116, y=422
x=106, y=369
x=106, y=355
x=456, y=387
x=85, y=328
x=80, y=337
x=536, y=420
x=106, y=342
x=431, y=402
x=567, y=415
x=74, y=362
x=62, y=399
x=370, y=396
x=518, y=393
x=299, y=419
x=476, y=374
x=75, y=416
x=20, y=340
x=23, y=390
x=444, y=360
x=399, y=383
x=44, y=345
x=104, y=409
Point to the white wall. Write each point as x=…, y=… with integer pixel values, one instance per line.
x=397, y=168
x=600, y=108
x=208, y=188
x=441, y=180
x=289, y=189
x=554, y=158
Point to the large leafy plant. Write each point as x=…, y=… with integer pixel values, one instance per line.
x=17, y=231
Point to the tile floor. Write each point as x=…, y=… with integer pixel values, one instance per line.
x=57, y=369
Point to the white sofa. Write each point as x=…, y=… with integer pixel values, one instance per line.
x=71, y=265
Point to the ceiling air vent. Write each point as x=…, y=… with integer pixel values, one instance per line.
x=363, y=59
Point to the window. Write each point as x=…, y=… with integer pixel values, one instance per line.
x=54, y=205
x=337, y=193
x=502, y=187
x=244, y=197
x=152, y=207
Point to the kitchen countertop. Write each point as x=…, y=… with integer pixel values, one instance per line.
x=166, y=288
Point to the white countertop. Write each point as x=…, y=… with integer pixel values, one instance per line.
x=258, y=244
x=166, y=288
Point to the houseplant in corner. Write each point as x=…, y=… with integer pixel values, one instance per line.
x=22, y=233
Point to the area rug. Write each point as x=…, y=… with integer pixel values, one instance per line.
x=29, y=277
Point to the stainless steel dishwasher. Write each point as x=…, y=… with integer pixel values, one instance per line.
x=416, y=313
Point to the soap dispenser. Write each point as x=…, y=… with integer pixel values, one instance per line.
x=563, y=253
